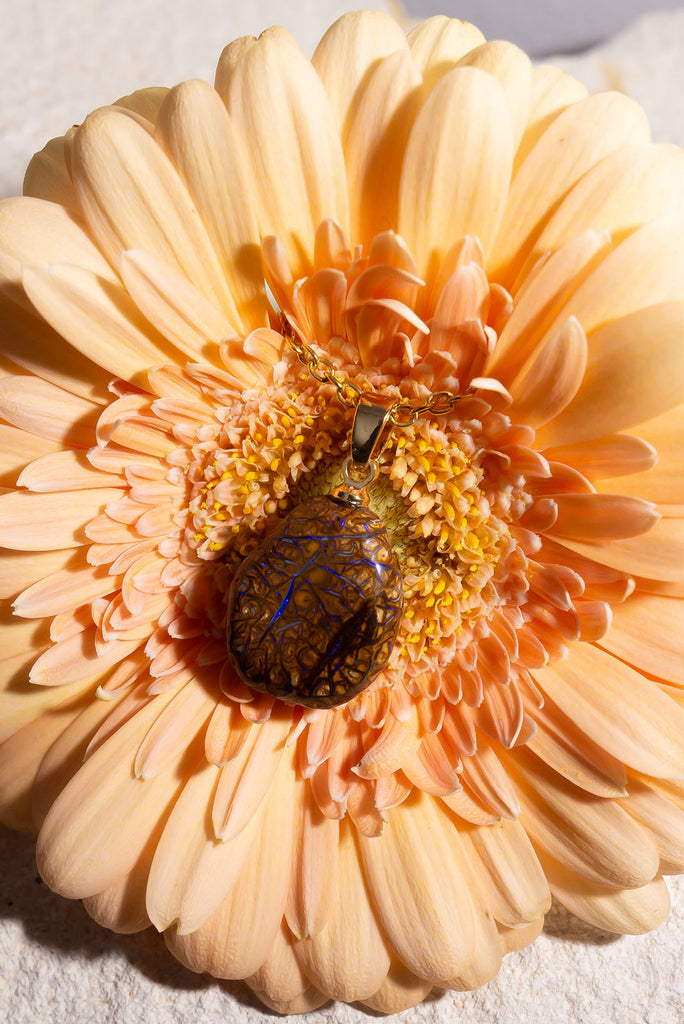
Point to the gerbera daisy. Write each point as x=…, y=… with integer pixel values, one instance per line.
x=431, y=215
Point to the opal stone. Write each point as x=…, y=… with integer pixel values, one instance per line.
x=314, y=611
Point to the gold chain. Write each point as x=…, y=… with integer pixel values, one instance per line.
x=403, y=413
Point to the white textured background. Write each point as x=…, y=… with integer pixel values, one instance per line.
x=57, y=62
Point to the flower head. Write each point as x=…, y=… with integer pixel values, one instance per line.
x=432, y=215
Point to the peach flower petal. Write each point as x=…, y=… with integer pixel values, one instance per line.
x=48, y=411
x=314, y=868
x=18, y=448
x=642, y=347
x=277, y=101
x=31, y=344
x=513, y=69
x=23, y=516
x=553, y=91
x=91, y=811
x=280, y=981
x=551, y=377
x=96, y=317
x=572, y=144
x=593, y=837
x=508, y=872
x=206, y=149
x=434, y=206
x=174, y=306
x=438, y=43
x=627, y=912
x=627, y=714
x=110, y=150
x=664, y=481
x=348, y=957
x=259, y=895
x=644, y=270
x=541, y=299
x=348, y=54
x=384, y=109
x=624, y=191
x=656, y=555
x=420, y=892
x=65, y=471
x=663, y=819
x=648, y=632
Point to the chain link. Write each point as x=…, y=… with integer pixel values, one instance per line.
x=403, y=413
x=320, y=367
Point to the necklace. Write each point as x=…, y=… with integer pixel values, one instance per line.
x=314, y=611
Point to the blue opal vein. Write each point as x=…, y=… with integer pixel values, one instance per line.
x=314, y=611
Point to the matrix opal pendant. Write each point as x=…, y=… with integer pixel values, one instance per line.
x=313, y=613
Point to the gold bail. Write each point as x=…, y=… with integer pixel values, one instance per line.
x=360, y=469
x=370, y=421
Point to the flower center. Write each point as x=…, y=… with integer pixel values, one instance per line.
x=441, y=495
x=247, y=476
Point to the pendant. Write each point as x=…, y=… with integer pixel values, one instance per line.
x=313, y=613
